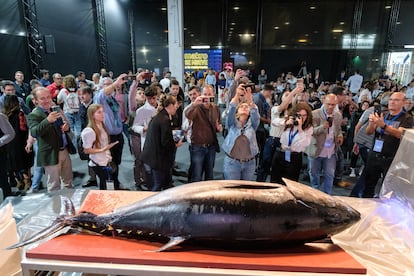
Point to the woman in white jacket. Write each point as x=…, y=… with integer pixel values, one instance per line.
x=287, y=161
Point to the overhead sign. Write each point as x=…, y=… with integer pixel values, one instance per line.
x=202, y=60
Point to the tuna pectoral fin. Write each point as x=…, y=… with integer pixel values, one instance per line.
x=173, y=242
x=50, y=232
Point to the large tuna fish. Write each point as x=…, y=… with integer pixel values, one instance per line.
x=234, y=211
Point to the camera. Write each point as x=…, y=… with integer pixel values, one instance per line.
x=56, y=108
x=295, y=121
x=208, y=99
x=250, y=85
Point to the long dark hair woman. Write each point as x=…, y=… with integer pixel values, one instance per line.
x=160, y=147
x=18, y=161
x=287, y=160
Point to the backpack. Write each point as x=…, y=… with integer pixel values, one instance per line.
x=72, y=101
x=81, y=151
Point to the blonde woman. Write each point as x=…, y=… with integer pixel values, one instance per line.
x=95, y=141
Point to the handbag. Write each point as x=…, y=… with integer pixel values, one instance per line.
x=70, y=146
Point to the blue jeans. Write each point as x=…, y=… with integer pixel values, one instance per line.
x=340, y=164
x=235, y=170
x=202, y=161
x=328, y=166
x=360, y=185
x=75, y=125
x=160, y=179
x=37, y=171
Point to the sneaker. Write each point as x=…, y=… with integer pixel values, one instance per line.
x=32, y=191
x=343, y=184
x=352, y=174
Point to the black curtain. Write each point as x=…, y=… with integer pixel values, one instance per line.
x=13, y=54
x=71, y=25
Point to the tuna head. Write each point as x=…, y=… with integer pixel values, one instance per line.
x=336, y=214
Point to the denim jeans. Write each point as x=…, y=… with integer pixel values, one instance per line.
x=340, y=164
x=139, y=172
x=328, y=166
x=160, y=179
x=37, y=171
x=125, y=131
x=360, y=185
x=235, y=170
x=202, y=161
x=75, y=125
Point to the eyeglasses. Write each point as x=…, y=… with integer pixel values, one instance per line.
x=395, y=100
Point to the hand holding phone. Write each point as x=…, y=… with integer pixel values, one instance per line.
x=111, y=145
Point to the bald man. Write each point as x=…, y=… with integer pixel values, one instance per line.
x=328, y=136
x=388, y=128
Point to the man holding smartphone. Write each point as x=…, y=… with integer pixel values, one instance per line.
x=205, y=118
x=49, y=128
x=113, y=121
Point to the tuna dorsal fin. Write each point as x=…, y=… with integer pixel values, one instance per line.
x=173, y=242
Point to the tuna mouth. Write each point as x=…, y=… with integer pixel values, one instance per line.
x=343, y=217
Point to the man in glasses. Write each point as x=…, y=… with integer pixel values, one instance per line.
x=388, y=129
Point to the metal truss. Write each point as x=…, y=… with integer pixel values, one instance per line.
x=34, y=38
x=101, y=41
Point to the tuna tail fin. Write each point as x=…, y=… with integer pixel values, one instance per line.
x=60, y=226
x=52, y=231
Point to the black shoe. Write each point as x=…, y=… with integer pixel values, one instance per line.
x=90, y=183
x=179, y=173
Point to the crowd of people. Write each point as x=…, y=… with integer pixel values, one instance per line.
x=273, y=129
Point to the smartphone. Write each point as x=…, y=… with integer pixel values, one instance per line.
x=378, y=109
x=56, y=108
x=208, y=99
x=131, y=77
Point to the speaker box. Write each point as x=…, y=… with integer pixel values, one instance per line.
x=50, y=44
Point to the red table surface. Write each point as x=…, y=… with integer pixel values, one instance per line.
x=312, y=257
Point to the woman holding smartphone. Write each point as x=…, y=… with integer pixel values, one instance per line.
x=240, y=145
x=95, y=141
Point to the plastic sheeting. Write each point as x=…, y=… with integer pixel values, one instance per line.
x=399, y=181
